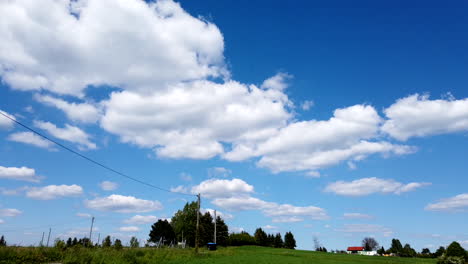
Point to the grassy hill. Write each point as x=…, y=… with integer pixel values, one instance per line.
x=244, y=255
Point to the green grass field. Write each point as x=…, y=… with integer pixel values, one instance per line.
x=244, y=255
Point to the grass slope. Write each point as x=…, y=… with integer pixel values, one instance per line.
x=244, y=255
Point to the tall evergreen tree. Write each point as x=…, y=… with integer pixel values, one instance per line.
x=261, y=237
x=222, y=232
x=278, y=241
x=75, y=241
x=396, y=247
x=381, y=251
x=118, y=244
x=3, y=242
x=289, y=241
x=161, y=231
x=69, y=242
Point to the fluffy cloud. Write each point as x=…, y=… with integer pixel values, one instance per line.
x=190, y=120
x=366, y=228
x=19, y=174
x=141, y=219
x=311, y=145
x=108, y=185
x=224, y=216
x=32, y=139
x=129, y=229
x=278, y=212
x=6, y=123
x=10, y=212
x=366, y=186
x=58, y=53
x=54, y=191
x=357, y=216
x=456, y=203
x=306, y=105
x=217, y=188
x=417, y=116
x=80, y=112
x=123, y=204
x=69, y=133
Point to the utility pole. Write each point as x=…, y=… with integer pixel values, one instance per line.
x=197, y=233
x=50, y=229
x=215, y=226
x=91, y=230
x=42, y=240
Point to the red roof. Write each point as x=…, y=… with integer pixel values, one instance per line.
x=355, y=248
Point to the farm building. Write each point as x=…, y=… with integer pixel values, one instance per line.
x=360, y=251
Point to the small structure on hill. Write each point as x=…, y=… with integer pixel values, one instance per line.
x=361, y=251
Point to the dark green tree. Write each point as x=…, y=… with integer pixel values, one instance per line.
x=222, y=232
x=3, y=242
x=75, y=241
x=408, y=251
x=278, y=241
x=425, y=251
x=289, y=241
x=455, y=250
x=69, y=242
x=439, y=252
x=162, y=231
x=396, y=247
x=134, y=242
x=184, y=223
x=206, y=229
x=118, y=244
x=107, y=242
x=261, y=237
x=381, y=251
x=369, y=244
x=241, y=239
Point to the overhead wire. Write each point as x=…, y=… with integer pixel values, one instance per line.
x=90, y=159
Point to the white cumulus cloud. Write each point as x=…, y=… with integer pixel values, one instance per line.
x=417, y=116
x=129, y=229
x=141, y=219
x=80, y=112
x=123, y=204
x=31, y=139
x=216, y=188
x=69, y=133
x=10, y=212
x=59, y=52
x=19, y=174
x=366, y=186
x=54, y=191
x=456, y=203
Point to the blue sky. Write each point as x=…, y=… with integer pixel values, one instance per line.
x=324, y=119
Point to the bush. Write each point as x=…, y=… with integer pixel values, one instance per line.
x=451, y=260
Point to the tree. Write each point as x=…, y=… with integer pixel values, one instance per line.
x=241, y=239
x=184, y=223
x=278, y=241
x=369, y=244
x=75, y=241
x=206, y=229
x=134, y=243
x=396, y=247
x=118, y=244
x=408, y=251
x=425, y=251
x=316, y=244
x=222, y=232
x=289, y=241
x=381, y=251
x=261, y=237
x=69, y=242
x=455, y=250
x=161, y=231
x=60, y=244
x=3, y=242
x=107, y=242
x=439, y=252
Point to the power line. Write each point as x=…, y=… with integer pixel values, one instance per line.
x=91, y=160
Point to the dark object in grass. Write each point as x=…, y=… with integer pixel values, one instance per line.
x=211, y=246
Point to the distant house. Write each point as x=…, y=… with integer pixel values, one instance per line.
x=361, y=251
x=355, y=250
